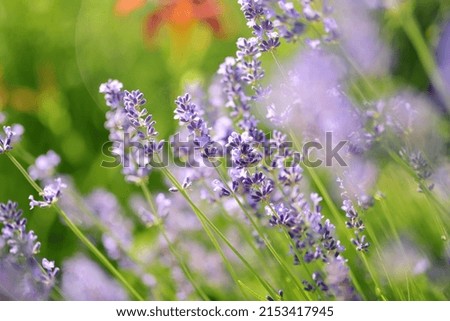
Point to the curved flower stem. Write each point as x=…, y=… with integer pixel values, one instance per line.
x=108, y=265
x=24, y=173
x=440, y=215
x=412, y=30
x=98, y=254
x=207, y=224
x=28, y=158
x=172, y=249
x=243, y=230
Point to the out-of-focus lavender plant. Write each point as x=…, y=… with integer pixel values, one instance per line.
x=84, y=280
x=44, y=166
x=22, y=276
x=119, y=229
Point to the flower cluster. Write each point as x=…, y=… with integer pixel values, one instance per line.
x=113, y=93
x=244, y=151
x=19, y=264
x=51, y=193
x=131, y=130
x=419, y=165
x=190, y=115
x=314, y=240
x=270, y=19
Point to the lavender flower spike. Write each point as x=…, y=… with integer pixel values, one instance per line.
x=50, y=194
x=6, y=140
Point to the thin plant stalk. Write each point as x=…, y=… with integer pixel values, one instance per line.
x=267, y=242
x=206, y=221
x=78, y=233
x=172, y=249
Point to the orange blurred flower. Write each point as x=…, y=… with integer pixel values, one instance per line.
x=179, y=15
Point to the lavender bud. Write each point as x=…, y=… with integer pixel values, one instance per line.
x=50, y=194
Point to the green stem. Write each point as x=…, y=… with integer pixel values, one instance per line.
x=80, y=234
x=243, y=230
x=172, y=249
x=24, y=173
x=335, y=212
x=98, y=254
x=266, y=241
x=205, y=220
x=412, y=30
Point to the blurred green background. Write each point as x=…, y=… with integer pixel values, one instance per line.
x=55, y=54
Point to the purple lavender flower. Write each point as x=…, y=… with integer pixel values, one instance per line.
x=190, y=115
x=291, y=175
x=21, y=276
x=258, y=186
x=6, y=139
x=44, y=166
x=309, y=12
x=139, y=118
x=186, y=111
x=130, y=126
x=20, y=242
x=50, y=194
x=141, y=208
x=113, y=93
x=285, y=216
x=50, y=272
x=133, y=100
x=442, y=53
x=119, y=228
x=363, y=45
x=360, y=243
x=419, y=164
x=268, y=45
x=337, y=278
x=84, y=280
x=314, y=239
x=10, y=212
x=220, y=187
x=243, y=151
x=234, y=86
